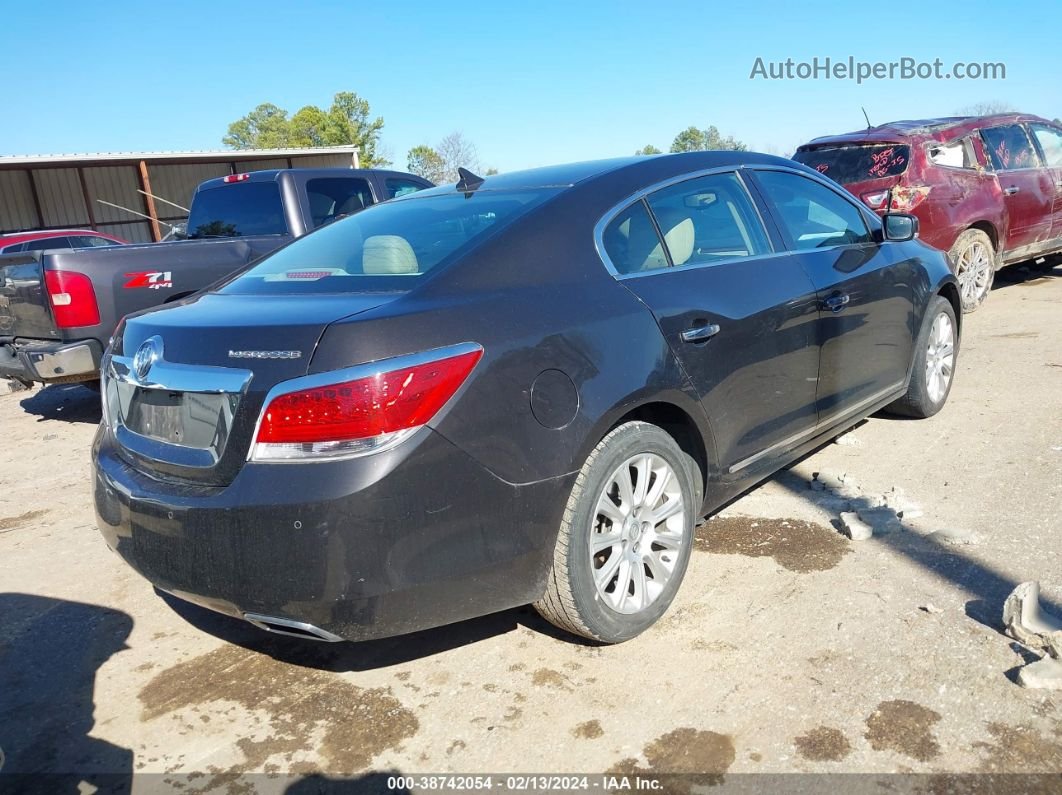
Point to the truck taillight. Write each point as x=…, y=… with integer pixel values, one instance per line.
x=73, y=299
x=235, y=178
x=366, y=414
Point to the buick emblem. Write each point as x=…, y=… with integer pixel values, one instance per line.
x=146, y=355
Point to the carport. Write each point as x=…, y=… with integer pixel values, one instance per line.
x=137, y=196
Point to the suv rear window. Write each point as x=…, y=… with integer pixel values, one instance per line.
x=236, y=210
x=386, y=245
x=846, y=164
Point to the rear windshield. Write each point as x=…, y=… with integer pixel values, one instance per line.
x=236, y=210
x=847, y=164
x=387, y=245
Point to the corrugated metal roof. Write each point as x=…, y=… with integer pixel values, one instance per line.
x=209, y=155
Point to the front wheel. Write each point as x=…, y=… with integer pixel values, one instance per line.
x=933, y=370
x=973, y=260
x=625, y=538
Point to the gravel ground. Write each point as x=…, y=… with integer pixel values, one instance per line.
x=790, y=648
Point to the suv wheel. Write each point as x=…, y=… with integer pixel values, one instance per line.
x=625, y=538
x=973, y=259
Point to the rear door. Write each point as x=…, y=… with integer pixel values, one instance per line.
x=1028, y=190
x=740, y=316
x=1049, y=140
x=866, y=291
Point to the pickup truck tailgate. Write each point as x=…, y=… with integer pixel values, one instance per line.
x=24, y=307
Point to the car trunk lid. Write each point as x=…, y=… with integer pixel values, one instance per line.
x=184, y=389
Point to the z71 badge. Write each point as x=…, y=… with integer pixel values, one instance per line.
x=153, y=280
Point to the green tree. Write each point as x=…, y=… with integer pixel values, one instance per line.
x=425, y=162
x=347, y=122
x=648, y=149
x=693, y=139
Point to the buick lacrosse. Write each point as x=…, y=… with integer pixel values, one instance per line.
x=526, y=388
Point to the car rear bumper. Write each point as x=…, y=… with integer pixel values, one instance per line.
x=51, y=362
x=417, y=537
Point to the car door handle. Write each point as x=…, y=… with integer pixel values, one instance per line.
x=835, y=303
x=700, y=333
x=1012, y=190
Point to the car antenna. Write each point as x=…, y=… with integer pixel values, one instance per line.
x=468, y=181
x=865, y=116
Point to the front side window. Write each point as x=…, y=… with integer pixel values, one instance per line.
x=1050, y=140
x=334, y=197
x=1009, y=148
x=812, y=215
x=236, y=210
x=388, y=244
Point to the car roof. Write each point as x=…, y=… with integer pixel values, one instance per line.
x=274, y=174
x=654, y=168
x=12, y=238
x=941, y=128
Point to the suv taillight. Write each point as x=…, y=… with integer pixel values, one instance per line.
x=363, y=415
x=904, y=198
x=73, y=299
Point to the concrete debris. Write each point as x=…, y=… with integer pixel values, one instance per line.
x=931, y=608
x=843, y=485
x=905, y=508
x=1026, y=622
x=883, y=520
x=955, y=536
x=1045, y=674
x=853, y=527
x=847, y=440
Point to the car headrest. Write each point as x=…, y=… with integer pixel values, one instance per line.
x=388, y=254
x=678, y=233
x=349, y=205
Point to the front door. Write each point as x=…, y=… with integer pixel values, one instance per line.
x=866, y=292
x=739, y=316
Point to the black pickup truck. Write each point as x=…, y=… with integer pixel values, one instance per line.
x=58, y=308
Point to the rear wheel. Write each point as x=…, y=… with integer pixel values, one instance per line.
x=625, y=538
x=973, y=259
x=934, y=365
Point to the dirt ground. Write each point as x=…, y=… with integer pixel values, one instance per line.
x=790, y=649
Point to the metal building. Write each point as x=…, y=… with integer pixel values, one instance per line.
x=81, y=191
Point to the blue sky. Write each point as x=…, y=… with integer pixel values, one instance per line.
x=528, y=83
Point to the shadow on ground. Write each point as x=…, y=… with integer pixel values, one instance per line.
x=66, y=402
x=50, y=651
x=364, y=655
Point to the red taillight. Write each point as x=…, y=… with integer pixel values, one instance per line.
x=235, y=178
x=875, y=200
x=904, y=198
x=358, y=416
x=73, y=299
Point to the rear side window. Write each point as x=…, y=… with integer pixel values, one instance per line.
x=387, y=245
x=334, y=197
x=632, y=243
x=812, y=215
x=1050, y=140
x=1009, y=148
x=402, y=187
x=91, y=241
x=846, y=164
x=48, y=242
x=956, y=154
x=237, y=210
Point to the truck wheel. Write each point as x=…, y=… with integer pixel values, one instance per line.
x=933, y=371
x=625, y=538
x=973, y=260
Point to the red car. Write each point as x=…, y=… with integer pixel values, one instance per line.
x=987, y=190
x=56, y=238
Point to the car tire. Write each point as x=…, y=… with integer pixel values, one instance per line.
x=973, y=261
x=933, y=370
x=604, y=595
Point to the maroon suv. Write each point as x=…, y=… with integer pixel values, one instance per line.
x=987, y=189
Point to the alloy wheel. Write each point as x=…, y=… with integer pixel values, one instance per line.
x=974, y=273
x=940, y=357
x=637, y=533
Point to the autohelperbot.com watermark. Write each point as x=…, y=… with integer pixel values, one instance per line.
x=850, y=68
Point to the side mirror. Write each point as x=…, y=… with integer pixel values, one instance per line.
x=898, y=227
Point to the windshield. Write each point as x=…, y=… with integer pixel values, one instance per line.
x=847, y=164
x=238, y=209
x=385, y=246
